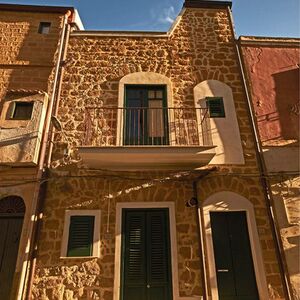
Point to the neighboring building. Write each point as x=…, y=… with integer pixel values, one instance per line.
x=154, y=189
x=30, y=40
x=272, y=66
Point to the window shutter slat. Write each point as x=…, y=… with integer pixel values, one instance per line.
x=158, y=247
x=135, y=248
x=81, y=234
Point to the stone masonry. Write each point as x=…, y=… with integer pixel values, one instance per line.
x=200, y=47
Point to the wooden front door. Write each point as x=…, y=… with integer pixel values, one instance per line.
x=233, y=257
x=10, y=232
x=146, y=267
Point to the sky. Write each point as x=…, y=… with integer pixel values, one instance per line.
x=251, y=17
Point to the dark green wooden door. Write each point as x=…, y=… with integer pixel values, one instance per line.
x=233, y=257
x=145, y=115
x=10, y=232
x=146, y=270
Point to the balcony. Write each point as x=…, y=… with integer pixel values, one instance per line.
x=146, y=138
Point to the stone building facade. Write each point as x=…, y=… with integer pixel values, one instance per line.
x=275, y=62
x=30, y=39
x=194, y=169
x=151, y=185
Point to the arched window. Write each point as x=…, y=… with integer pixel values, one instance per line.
x=143, y=117
x=12, y=205
x=218, y=98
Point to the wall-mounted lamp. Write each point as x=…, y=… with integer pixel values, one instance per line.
x=192, y=202
x=56, y=123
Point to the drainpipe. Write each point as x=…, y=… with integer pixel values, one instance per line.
x=263, y=172
x=39, y=193
x=200, y=225
x=56, y=104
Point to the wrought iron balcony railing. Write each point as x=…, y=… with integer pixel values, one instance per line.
x=141, y=126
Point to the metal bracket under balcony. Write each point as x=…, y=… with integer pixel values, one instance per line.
x=148, y=138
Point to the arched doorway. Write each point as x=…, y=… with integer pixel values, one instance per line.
x=12, y=210
x=230, y=224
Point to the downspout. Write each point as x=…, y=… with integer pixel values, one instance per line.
x=56, y=104
x=263, y=171
x=39, y=197
x=200, y=225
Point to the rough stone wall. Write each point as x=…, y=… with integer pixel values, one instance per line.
x=286, y=195
x=27, y=57
x=26, y=63
x=77, y=278
x=251, y=189
x=199, y=48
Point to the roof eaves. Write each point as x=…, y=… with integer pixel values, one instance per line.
x=36, y=8
x=207, y=4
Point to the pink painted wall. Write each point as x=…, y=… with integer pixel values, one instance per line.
x=274, y=80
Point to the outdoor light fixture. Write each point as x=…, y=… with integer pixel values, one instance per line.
x=56, y=123
x=192, y=202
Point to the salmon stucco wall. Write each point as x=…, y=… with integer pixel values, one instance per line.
x=274, y=79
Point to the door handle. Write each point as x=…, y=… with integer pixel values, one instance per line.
x=148, y=286
x=223, y=270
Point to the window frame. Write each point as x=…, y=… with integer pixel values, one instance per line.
x=147, y=140
x=210, y=99
x=66, y=232
x=44, y=25
x=14, y=107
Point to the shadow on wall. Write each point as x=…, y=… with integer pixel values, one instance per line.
x=25, y=70
x=283, y=124
x=287, y=102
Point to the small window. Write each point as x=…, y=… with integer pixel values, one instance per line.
x=44, y=27
x=216, y=107
x=81, y=236
x=21, y=110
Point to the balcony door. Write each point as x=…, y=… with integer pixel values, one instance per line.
x=145, y=115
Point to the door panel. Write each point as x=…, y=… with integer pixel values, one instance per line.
x=10, y=232
x=134, y=262
x=233, y=257
x=145, y=115
x=146, y=255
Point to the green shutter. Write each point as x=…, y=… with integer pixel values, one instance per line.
x=216, y=107
x=81, y=234
x=158, y=255
x=134, y=266
x=146, y=255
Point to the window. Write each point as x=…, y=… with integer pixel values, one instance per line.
x=44, y=27
x=146, y=115
x=21, y=110
x=215, y=106
x=81, y=237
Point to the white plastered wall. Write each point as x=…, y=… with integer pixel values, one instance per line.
x=229, y=201
x=225, y=131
